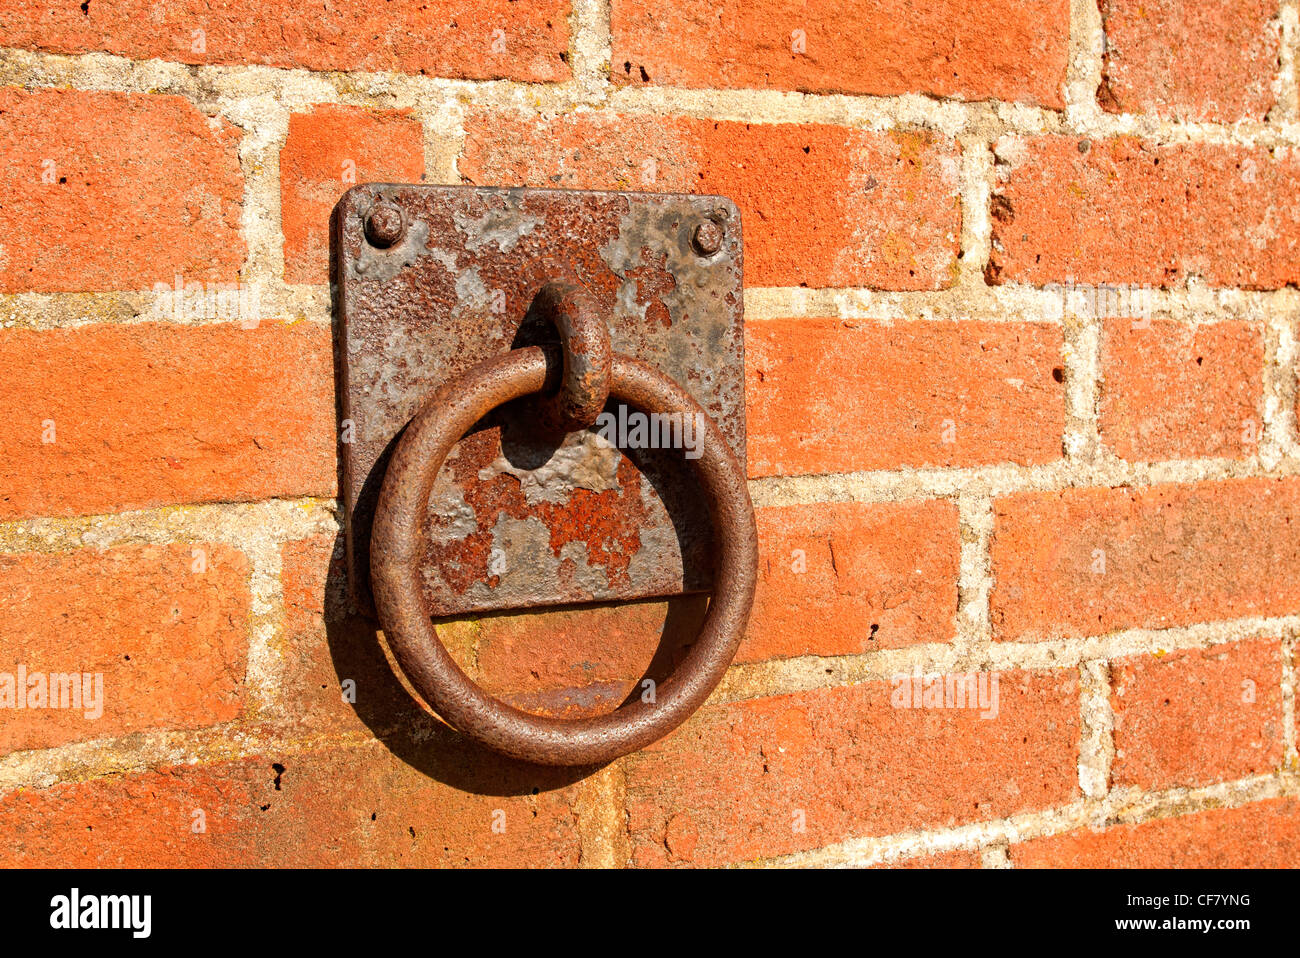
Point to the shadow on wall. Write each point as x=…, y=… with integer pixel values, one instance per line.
x=414, y=734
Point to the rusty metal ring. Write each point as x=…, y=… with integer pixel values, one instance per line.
x=398, y=544
x=584, y=337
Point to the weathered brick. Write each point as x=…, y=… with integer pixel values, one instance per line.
x=164, y=627
x=847, y=578
x=357, y=806
x=148, y=414
x=583, y=661
x=1176, y=391
x=485, y=40
x=828, y=395
x=326, y=152
x=1089, y=561
x=115, y=191
x=821, y=205
x=1259, y=835
x=1190, y=61
x=819, y=767
x=1000, y=50
x=1198, y=716
x=310, y=690
x=1128, y=211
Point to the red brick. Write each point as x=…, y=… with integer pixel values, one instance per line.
x=361, y=806
x=140, y=189
x=1128, y=211
x=169, y=642
x=1198, y=716
x=435, y=37
x=1177, y=391
x=821, y=205
x=582, y=661
x=1001, y=50
x=326, y=152
x=148, y=414
x=870, y=577
x=1173, y=555
x=1260, y=835
x=1191, y=61
x=827, y=395
x=730, y=784
x=310, y=690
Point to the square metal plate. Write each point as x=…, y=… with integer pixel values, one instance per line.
x=515, y=520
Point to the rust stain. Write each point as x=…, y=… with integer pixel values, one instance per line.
x=464, y=283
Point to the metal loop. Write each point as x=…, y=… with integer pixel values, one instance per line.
x=398, y=545
x=584, y=337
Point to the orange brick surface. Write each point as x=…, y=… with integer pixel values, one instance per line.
x=848, y=578
x=834, y=579
x=155, y=413
x=1198, y=716
x=339, y=807
x=1176, y=391
x=492, y=38
x=164, y=627
x=960, y=858
x=116, y=191
x=829, y=395
x=821, y=205
x=1195, y=61
x=1088, y=561
x=1003, y=50
x=1127, y=211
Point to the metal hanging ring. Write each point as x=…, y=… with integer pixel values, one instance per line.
x=584, y=337
x=398, y=545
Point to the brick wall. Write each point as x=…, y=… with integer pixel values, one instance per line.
x=1022, y=349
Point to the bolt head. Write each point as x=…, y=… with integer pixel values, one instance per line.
x=708, y=237
x=385, y=225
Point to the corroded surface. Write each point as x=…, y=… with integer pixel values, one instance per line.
x=519, y=517
x=397, y=553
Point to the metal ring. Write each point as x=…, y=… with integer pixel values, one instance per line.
x=584, y=337
x=398, y=544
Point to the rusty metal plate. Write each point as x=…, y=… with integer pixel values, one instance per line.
x=518, y=519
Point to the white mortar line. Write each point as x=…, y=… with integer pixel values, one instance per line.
x=996, y=480
x=235, y=524
x=1096, y=740
x=590, y=48
x=1281, y=357
x=1290, y=651
x=1286, y=109
x=975, y=580
x=219, y=87
x=1009, y=303
x=1083, y=74
x=1083, y=383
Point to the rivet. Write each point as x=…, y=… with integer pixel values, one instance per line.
x=385, y=225
x=708, y=238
